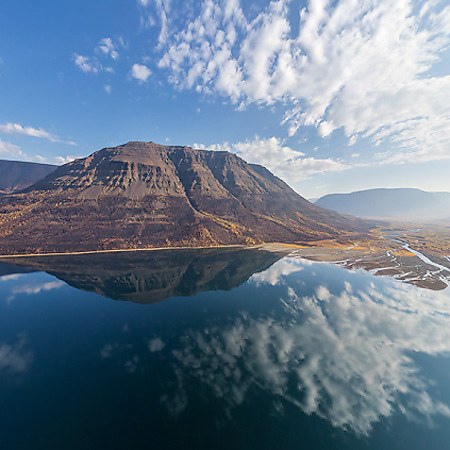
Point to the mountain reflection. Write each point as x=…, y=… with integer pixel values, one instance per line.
x=148, y=277
x=300, y=337
x=343, y=353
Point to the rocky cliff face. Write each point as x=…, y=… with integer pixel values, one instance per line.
x=143, y=194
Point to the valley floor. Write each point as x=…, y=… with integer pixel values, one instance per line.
x=419, y=256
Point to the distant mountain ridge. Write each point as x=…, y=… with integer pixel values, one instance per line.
x=142, y=194
x=17, y=175
x=395, y=204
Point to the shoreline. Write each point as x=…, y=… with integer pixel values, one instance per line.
x=128, y=250
x=274, y=247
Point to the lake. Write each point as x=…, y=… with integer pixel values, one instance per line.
x=201, y=349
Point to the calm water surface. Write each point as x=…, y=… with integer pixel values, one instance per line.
x=238, y=349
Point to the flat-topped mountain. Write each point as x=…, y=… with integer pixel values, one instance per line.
x=142, y=194
x=17, y=175
x=394, y=204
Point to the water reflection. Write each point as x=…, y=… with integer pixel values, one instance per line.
x=148, y=277
x=15, y=357
x=342, y=353
x=293, y=342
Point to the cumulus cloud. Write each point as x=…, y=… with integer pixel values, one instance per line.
x=18, y=129
x=108, y=48
x=289, y=164
x=86, y=64
x=140, y=72
x=361, y=67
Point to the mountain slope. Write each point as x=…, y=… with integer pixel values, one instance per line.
x=16, y=175
x=401, y=204
x=146, y=195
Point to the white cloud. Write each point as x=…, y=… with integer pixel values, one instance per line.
x=140, y=72
x=108, y=48
x=160, y=11
x=362, y=67
x=15, y=128
x=108, y=89
x=10, y=150
x=60, y=160
x=289, y=164
x=163, y=9
x=85, y=64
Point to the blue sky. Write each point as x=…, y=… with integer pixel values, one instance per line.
x=332, y=96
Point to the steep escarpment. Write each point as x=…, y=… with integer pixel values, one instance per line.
x=142, y=194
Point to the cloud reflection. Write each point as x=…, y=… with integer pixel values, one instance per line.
x=15, y=358
x=343, y=353
x=34, y=288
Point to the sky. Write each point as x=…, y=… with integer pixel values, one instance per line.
x=331, y=96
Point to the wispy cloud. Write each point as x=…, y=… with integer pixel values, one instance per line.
x=10, y=150
x=17, y=129
x=163, y=11
x=361, y=67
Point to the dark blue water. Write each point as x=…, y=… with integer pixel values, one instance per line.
x=213, y=349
